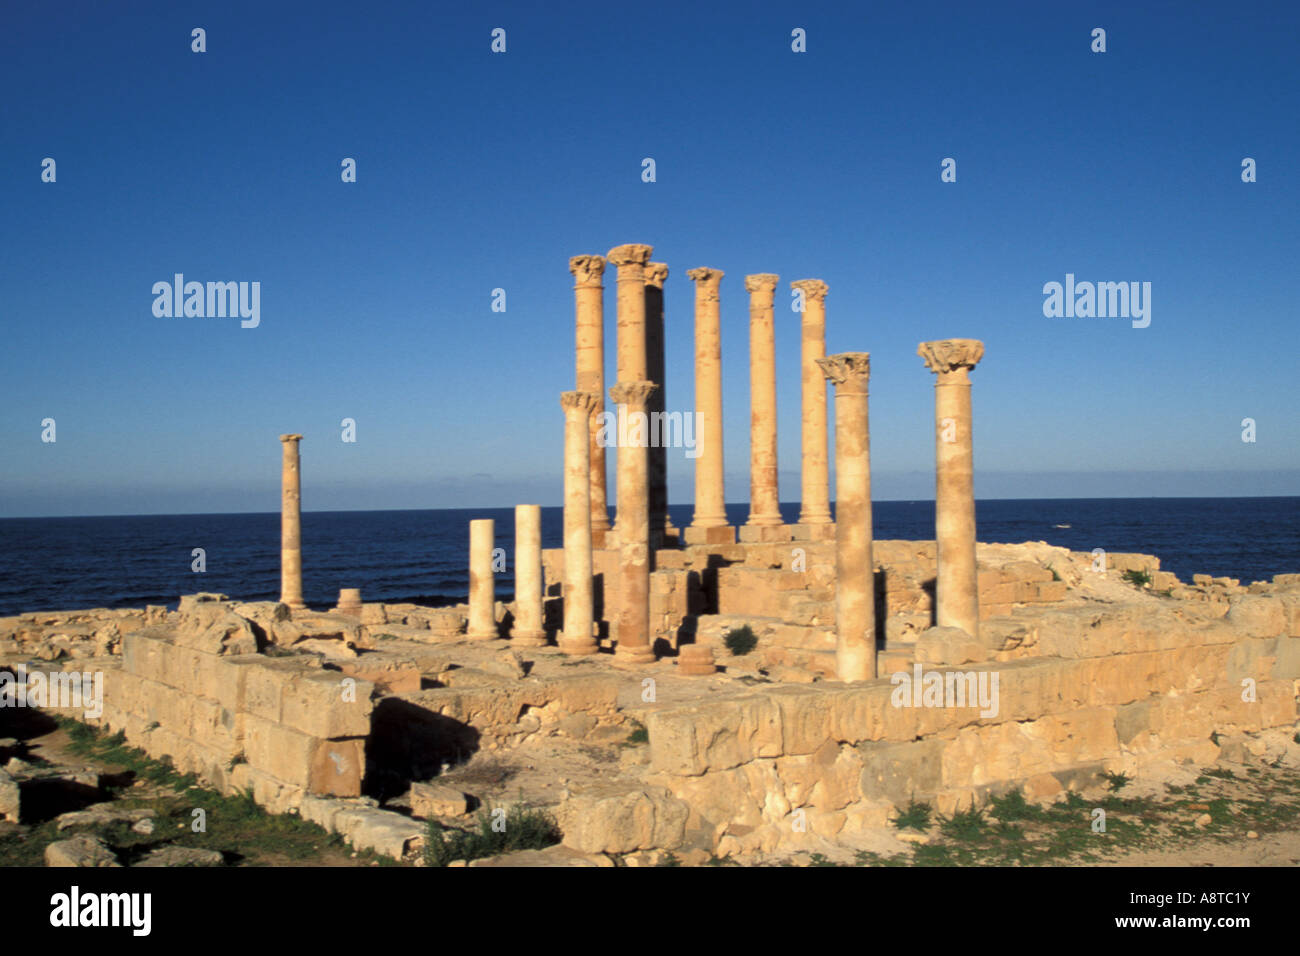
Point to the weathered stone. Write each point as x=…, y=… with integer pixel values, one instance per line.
x=437, y=800
x=182, y=856
x=10, y=797
x=618, y=818
x=80, y=851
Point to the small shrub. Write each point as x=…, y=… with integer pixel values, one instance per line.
x=968, y=824
x=1117, y=781
x=1056, y=576
x=915, y=817
x=639, y=735
x=1139, y=579
x=523, y=828
x=741, y=641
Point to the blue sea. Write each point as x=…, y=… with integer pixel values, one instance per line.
x=421, y=556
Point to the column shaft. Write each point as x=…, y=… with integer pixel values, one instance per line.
x=957, y=585
x=527, y=629
x=291, y=524
x=482, y=590
x=855, y=587
x=662, y=532
x=710, y=495
x=815, y=508
x=578, y=601
x=589, y=305
x=764, y=493
x=634, y=639
x=631, y=261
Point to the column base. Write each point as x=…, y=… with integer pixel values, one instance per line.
x=813, y=532
x=752, y=533
x=716, y=534
x=528, y=638
x=695, y=660
x=483, y=635
x=640, y=654
x=578, y=648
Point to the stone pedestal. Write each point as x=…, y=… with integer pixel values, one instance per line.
x=815, y=508
x=662, y=532
x=349, y=602
x=764, y=490
x=482, y=585
x=695, y=660
x=956, y=589
x=709, y=525
x=756, y=534
x=855, y=588
x=633, y=616
x=589, y=307
x=632, y=365
x=578, y=636
x=291, y=524
x=527, y=629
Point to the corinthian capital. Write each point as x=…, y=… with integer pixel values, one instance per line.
x=587, y=270
x=632, y=394
x=706, y=283
x=584, y=403
x=632, y=254
x=655, y=274
x=814, y=289
x=852, y=369
x=289, y=438
x=951, y=355
x=761, y=282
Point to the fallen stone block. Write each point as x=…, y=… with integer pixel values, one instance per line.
x=382, y=831
x=437, y=800
x=80, y=851
x=182, y=856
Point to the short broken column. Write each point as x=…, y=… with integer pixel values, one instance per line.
x=765, y=522
x=633, y=618
x=349, y=602
x=662, y=531
x=527, y=629
x=957, y=601
x=577, y=637
x=589, y=307
x=291, y=524
x=815, y=508
x=855, y=576
x=696, y=660
x=709, y=525
x=482, y=586
x=630, y=347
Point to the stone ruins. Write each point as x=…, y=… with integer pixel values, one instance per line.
x=614, y=684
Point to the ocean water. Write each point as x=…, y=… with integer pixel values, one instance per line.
x=421, y=556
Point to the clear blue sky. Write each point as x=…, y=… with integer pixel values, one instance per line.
x=479, y=170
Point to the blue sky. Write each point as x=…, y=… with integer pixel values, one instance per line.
x=478, y=171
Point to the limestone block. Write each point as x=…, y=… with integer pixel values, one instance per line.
x=80, y=851
x=333, y=767
x=323, y=703
x=951, y=645
x=390, y=676
x=437, y=800
x=1258, y=616
x=618, y=818
x=214, y=628
x=381, y=831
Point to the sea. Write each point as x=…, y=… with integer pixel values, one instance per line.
x=51, y=564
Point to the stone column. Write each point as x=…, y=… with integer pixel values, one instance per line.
x=957, y=602
x=291, y=524
x=662, y=532
x=631, y=261
x=589, y=304
x=855, y=573
x=709, y=526
x=764, y=522
x=578, y=601
x=634, y=639
x=482, y=590
x=816, y=505
x=527, y=629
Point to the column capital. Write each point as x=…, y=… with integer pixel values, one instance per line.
x=954, y=357
x=632, y=254
x=706, y=283
x=761, y=282
x=847, y=368
x=584, y=402
x=587, y=270
x=632, y=394
x=814, y=289
x=289, y=438
x=656, y=273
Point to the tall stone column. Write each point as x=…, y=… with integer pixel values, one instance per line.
x=577, y=637
x=482, y=589
x=589, y=304
x=634, y=639
x=527, y=629
x=632, y=365
x=291, y=524
x=765, y=523
x=855, y=574
x=957, y=602
x=662, y=531
x=709, y=526
x=816, y=505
